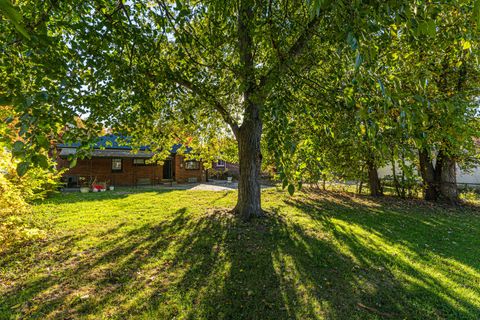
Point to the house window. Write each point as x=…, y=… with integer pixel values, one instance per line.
x=220, y=163
x=116, y=164
x=139, y=162
x=192, y=165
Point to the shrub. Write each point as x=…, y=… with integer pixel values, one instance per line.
x=11, y=199
x=37, y=183
x=471, y=196
x=16, y=194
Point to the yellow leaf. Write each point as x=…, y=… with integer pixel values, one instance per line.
x=362, y=129
x=466, y=45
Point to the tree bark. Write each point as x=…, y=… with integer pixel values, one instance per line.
x=249, y=192
x=395, y=180
x=427, y=171
x=448, y=180
x=373, y=180
x=249, y=134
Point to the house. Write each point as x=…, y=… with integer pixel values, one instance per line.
x=222, y=169
x=465, y=178
x=118, y=165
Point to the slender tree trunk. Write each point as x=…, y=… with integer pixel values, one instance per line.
x=404, y=189
x=427, y=171
x=373, y=180
x=360, y=186
x=448, y=180
x=395, y=180
x=248, y=139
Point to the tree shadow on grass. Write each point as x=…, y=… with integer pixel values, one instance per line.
x=214, y=266
x=98, y=197
x=433, y=250
x=414, y=223
x=74, y=197
x=81, y=282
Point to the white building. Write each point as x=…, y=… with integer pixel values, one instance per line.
x=469, y=178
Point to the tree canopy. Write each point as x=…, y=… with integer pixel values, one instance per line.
x=361, y=81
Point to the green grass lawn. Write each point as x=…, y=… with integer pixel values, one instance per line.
x=180, y=254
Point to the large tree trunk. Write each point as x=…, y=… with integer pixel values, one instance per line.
x=250, y=132
x=448, y=182
x=248, y=139
x=373, y=180
x=427, y=171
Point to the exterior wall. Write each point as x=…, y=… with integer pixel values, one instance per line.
x=187, y=175
x=101, y=170
x=387, y=171
x=470, y=176
x=131, y=175
x=463, y=177
x=222, y=172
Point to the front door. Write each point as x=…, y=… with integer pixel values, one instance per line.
x=167, y=169
x=72, y=182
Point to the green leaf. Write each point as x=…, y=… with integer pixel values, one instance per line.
x=291, y=189
x=14, y=16
x=358, y=61
x=352, y=41
x=41, y=160
x=431, y=28
x=178, y=5
x=18, y=147
x=382, y=87
x=315, y=7
x=476, y=13
x=284, y=183
x=22, y=168
x=73, y=163
x=427, y=28
x=42, y=141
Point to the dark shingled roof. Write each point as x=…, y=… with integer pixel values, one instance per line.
x=117, y=142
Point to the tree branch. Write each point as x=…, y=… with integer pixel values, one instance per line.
x=245, y=46
x=282, y=66
x=178, y=79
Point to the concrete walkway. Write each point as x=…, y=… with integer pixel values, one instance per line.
x=206, y=186
x=218, y=185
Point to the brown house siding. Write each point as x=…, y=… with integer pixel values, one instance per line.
x=130, y=175
x=183, y=174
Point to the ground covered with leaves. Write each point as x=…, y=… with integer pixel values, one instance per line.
x=181, y=254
